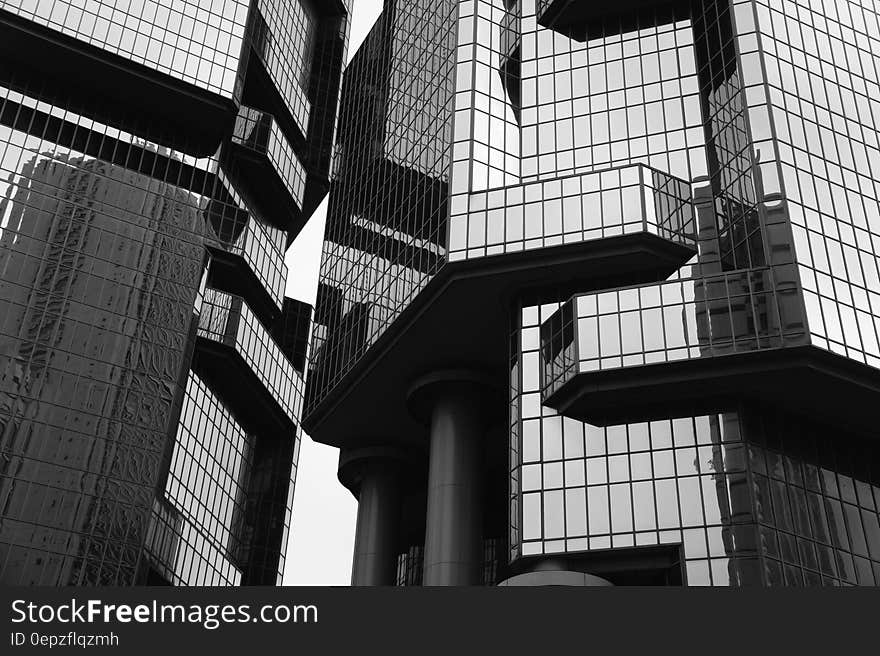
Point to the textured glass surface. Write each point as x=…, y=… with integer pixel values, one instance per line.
x=259, y=244
x=99, y=269
x=197, y=41
x=744, y=127
x=681, y=319
x=817, y=108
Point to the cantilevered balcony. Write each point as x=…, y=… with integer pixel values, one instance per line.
x=259, y=383
x=248, y=255
x=264, y=168
x=573, y=17
x=262, y=249
x=637, y=353
x=649, y=210
x=621, y=226
x=52, y=49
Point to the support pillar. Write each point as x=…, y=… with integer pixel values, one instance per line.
x=455, y=403
x=374, y=476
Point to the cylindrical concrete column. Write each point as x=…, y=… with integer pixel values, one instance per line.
x=456, y=405
x=375, y=476
x=454, y=517
x=375, y=543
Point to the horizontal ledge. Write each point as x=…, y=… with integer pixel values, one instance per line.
x=804, y=379
x=111, y=88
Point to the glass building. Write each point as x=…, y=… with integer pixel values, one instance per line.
x=157, y=160
x=601, y=284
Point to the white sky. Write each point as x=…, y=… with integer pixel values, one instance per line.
x=321, y=539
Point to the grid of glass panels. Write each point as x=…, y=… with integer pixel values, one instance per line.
x=596, y=205
x=288, y=509
x=675, y=481
x=260, y=245
x=285, y=39
x=621, y=96
x=813, y=138
x=817, y=99
x=206, y=487
x=751, y=495
x=816, y=500
x=387, y=214
x=197, y=41
x=369, y=288
x=486, y=151
x=259, y=132
x=226, y=318
x=710, y=316
x=102, y=253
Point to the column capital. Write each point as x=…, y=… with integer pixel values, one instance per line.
x=480, y=387
x=353, y=463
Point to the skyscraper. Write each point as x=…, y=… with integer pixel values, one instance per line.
x=598, y=300
x=158, y=159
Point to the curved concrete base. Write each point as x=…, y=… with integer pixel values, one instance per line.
x=555, y=577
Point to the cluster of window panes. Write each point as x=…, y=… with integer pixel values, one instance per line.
x=825, y=176
x=622, y=96
x=817, y=498
x=259, y=132
x=610, y=203
x=198, y=542
x=680, y=319
x=820, y=106
x=486, y=149
x=284, y=36
x=226, y=318
x=409, y=566
x=387, y=214
x=767, y=109
x=731, y=487
x=103, y=268
x=197, y=41
x=259, y=244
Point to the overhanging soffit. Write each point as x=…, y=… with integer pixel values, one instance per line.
x=461, y=318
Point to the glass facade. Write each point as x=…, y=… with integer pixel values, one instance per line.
x=730, y=487
x=194, y=538
x=100, y=271
x=815, y=105
x=259, y=132
x=132, y=270
x=741, y=130
x=195, y=41
x=387, y=216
